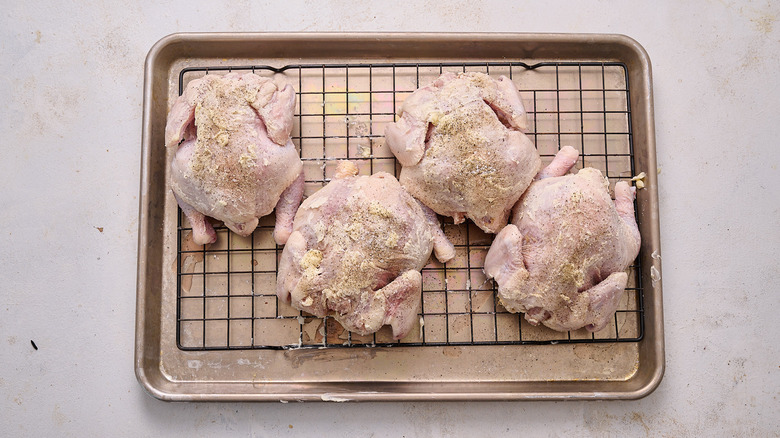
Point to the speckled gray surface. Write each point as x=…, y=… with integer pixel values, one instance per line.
x=70, y=130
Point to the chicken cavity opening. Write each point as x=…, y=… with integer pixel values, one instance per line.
x=502, y=117
x=190, y=132
x=428, y=134
x=592, y=279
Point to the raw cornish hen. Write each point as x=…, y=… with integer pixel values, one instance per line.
x=462, y=148
x=356, y=250
x=563, y=257
x=237, y=161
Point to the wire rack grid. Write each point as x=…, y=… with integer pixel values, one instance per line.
x=226, y=291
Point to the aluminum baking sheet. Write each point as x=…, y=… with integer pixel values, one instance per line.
x=209, y=325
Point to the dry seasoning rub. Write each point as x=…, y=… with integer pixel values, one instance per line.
x=462, y=148
x=356, y=250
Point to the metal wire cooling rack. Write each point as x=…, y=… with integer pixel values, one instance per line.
x=226, y=291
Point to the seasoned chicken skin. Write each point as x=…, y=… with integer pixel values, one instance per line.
x=356, y=250
x=236, y=162
x=461, y=144
x=563, y=257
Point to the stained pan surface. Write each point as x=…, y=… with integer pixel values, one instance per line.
x=208, y=326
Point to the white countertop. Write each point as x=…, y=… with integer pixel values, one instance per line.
x=71, y=80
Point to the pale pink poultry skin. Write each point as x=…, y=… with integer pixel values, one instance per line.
x=236, y=162
x=460, y=141
x=356, y=251
x=563, y=258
